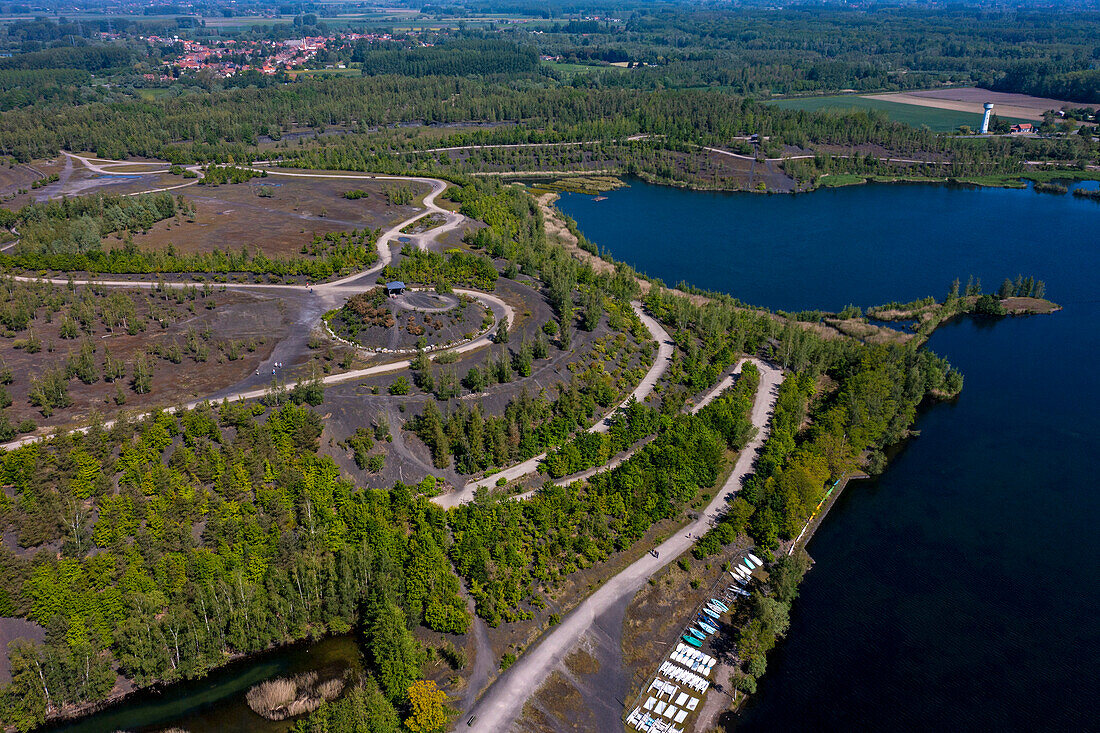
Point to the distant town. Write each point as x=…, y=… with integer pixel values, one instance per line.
x=224, y=58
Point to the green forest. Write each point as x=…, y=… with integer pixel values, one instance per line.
x=183, y=538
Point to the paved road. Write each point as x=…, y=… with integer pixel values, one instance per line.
x=531, y=465
x=503, y=703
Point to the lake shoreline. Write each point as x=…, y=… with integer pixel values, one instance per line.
x=938, y=576
x=157, y=691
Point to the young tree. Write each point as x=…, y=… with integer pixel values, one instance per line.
x=394, y=651
x=142, y=380
x=428, y=704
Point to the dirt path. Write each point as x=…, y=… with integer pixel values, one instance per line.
x=317, y=297
x=531, y=465
x=484, y=661
x=718, y=389
x=503, y=703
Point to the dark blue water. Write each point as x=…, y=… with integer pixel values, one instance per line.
x=960, y=590
x=862, y=244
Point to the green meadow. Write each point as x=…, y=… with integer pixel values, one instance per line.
x=937, y=120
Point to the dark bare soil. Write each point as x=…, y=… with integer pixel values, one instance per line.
x=279, y=225
x=10, y=630
x=235, y=330
x=411, y=320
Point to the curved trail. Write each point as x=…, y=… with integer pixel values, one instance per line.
x=502, y=704
x=333, y=290
x=718, y=389
x=531, y=465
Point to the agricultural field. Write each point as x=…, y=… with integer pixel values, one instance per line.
x=937, y=120
x=1016, y=107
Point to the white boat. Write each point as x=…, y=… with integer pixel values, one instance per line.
x=755, y=559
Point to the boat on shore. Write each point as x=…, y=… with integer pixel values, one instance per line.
x=756, y=560
x=692, y=640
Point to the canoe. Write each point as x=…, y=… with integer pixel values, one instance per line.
x=692, y=640
x=755, y=559
x=749, y=563
x=709, y=621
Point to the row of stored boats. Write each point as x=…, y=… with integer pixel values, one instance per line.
x=708, y=620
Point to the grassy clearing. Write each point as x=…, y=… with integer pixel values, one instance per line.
x=937, y=120
x=585, y=184
x=570, y=69
x=1043, y=176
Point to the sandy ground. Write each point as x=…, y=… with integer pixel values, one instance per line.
x=973, y=99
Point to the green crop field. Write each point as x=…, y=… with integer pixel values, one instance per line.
x=937, y=120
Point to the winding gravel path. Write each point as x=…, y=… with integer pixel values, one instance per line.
x=531, y=465
x=503, y=702
x=718, y=389
x=332, y=292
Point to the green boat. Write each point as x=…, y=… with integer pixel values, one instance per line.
x=692, y=640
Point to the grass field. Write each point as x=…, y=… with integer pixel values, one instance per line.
x=570, y=69
x=937, y=120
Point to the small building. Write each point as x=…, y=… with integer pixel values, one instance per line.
x=1022, y=128
x=395, y=288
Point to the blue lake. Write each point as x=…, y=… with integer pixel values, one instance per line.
x=961, y=589
x=862, y=244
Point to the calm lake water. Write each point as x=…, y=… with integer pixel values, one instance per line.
x=960, y=590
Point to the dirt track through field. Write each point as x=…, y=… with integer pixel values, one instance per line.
x=1010, y=105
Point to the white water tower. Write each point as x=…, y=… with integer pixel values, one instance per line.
x=985, y=118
